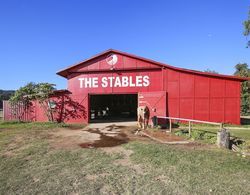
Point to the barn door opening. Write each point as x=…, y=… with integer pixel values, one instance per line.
x=156, y=102
x=113, y=107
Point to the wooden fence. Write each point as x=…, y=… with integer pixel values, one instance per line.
x=190, y=122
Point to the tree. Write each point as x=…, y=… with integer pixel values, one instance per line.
x=24, y=96
x=211, y=71
x=42, y=95
x=247, y=28
x=243, y=71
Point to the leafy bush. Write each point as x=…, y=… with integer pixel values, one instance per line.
x=244, y=145
x=207, y=137
x=181, y=132
x=196, y=135
x=210, y=138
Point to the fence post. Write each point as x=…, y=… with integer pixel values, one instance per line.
x=170, y=125
x=223, y=138
x=189, y=128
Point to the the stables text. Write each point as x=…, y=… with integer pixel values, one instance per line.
x=122, y=81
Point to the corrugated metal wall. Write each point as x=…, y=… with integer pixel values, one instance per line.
x=203, y=98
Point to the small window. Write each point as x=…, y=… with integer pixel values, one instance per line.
x=52, y=104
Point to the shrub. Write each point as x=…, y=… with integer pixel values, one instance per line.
x=198, y=135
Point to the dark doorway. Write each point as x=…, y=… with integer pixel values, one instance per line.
x=113, y=107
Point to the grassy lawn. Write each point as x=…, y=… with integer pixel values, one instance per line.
x=35, y=125
x=29, y=165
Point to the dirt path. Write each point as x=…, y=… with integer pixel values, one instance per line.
x=104, y=125
x=164, y=137
x=95, y=135
x=101, y=135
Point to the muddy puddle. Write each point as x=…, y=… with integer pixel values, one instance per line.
x=109, y=137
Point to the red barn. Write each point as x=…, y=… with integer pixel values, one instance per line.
x=111, y=85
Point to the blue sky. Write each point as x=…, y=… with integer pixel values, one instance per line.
x=40, y=37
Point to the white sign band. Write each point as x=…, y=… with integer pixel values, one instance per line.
x=123, y=81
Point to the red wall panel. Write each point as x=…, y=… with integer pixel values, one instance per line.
x=232, y=89
x=186, y=108
x=129, y=62
x=143, y=64
x=94, y=66
x=232, y=110
x=201, y=109
x=201, y=86
x=217, y=87
x=173, y=107
x=83, y=117
x=173, y=89
x=155, y=81
x=173, y=75
x=217, y=109
x=186, y=85
x=40, y=115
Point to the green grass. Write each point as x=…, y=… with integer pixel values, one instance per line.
x=215, y=126
x=29, y=165
x=36, y=125
x=195, y=171
x=208, y=134
x=242, y=131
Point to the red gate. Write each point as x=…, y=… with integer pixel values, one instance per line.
x=155, y=101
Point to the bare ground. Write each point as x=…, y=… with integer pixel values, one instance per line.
x=101, y=135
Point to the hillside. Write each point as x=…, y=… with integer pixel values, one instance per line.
x=5, y=95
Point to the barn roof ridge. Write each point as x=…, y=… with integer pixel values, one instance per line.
x=64, y=72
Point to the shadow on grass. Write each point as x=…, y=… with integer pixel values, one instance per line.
x=245, y=120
